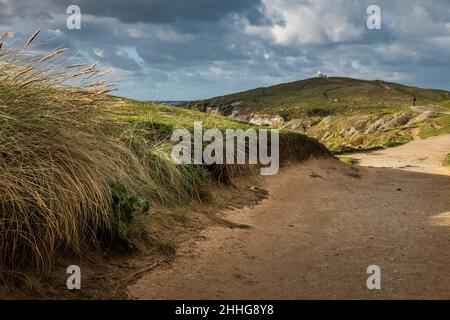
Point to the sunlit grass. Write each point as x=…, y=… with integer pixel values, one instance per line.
x=437, y=126
x=78, y=166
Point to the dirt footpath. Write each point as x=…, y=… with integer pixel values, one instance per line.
x=436, y=109
x=419, y=155
x=322, y=226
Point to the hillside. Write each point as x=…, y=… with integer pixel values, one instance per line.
x=319, y=96
x=343, y=113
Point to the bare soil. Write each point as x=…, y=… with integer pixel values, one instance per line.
x=323, y=224
x=419, y=155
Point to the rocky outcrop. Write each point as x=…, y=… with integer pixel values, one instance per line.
x=388, y=123
x=399, y=119
x=362, y=123
x=339, y=132
x=351, y=131
x=224, y=109
x=299, y=125
x=266, y=120
x=422, y=117
x=377, y=126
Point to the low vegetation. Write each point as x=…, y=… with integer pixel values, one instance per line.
x=323, y=97
x=446, y=162
x=439, y=124
x=356, y=131
x=348, y=160
x=445, y=104
x=79, y=166
x=344, y=114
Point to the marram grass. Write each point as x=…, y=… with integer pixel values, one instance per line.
x=56, y=166
x=71, y=177
x=75, y=167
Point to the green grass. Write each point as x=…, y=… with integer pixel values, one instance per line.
x=328, y=96
x=80, y=169
x=348, y=160
x=437, y=126
x=396, y=138
x=345, y=103
x=445, y=104
x=166, y=117
x=446, y=162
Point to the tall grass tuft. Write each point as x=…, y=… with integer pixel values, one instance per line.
x=56, y=165
x=71, y=176
x=167, y=184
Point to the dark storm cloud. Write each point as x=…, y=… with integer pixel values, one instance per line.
x=170, y=11
x=182, y=49
x=155, y=11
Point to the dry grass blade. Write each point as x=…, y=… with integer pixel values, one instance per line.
x=33, y=36
x=52, y=54
x=78, y=65
x=5, y=35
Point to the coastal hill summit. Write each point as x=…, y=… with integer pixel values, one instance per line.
x=330, y=95
x=343, y=113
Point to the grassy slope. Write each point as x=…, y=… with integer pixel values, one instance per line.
x=344, y=103
x=438, y=125
x=165, y=116
x=293, y=146
x=299, y=97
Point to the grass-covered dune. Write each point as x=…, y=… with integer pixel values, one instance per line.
x=78, y=166
x=165, y=119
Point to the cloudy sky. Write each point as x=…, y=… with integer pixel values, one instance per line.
x=191, y=49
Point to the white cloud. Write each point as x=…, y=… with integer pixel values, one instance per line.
x=172, y=36
x=304, y=22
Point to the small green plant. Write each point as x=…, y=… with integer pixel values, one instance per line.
x=397, y=139
x=124, y=209
x=348, y=160
x=446, y=162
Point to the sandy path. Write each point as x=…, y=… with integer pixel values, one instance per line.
x=322, y=226
x=419, y=155
x=430, y=109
